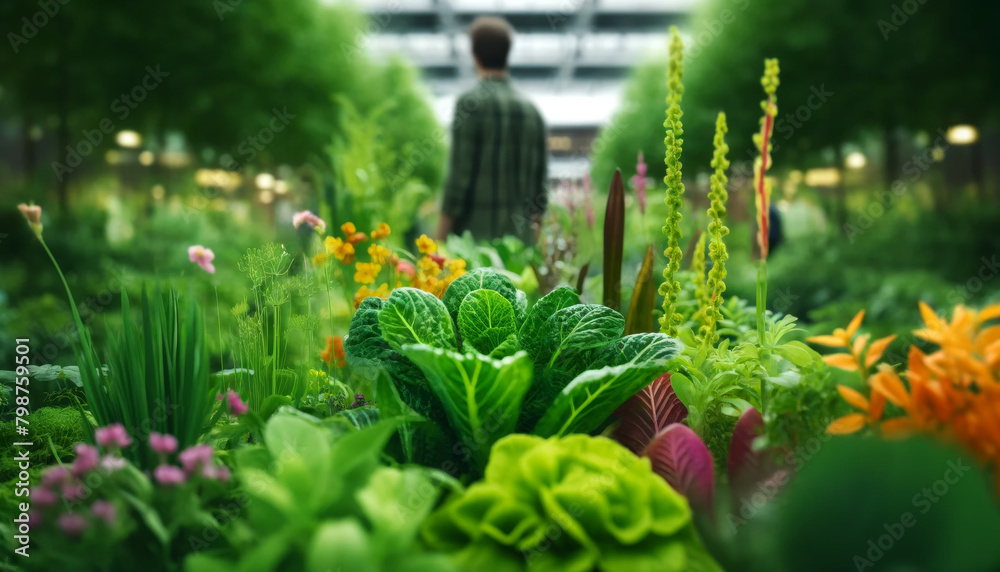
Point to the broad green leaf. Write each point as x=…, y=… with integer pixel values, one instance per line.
x=485, y=320
x=789, y=378
x=396, y=502
x=482, y=396
x=477, y=279
x=341, y=545
x=509, y=347
x=534, y=331
x=412, y=316
x=591, y=398
x=798, y=353
x=520, y=307
x=582, y=327
x=641, y=348
x=368, y=353
x=683, y=388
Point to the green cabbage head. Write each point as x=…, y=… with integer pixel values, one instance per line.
x=576, y=503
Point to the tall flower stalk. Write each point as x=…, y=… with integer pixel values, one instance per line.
x=716, y=283
x=701, y=288
x=670, y=287
x=762, y=192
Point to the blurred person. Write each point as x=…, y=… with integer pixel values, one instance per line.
x=497, y=169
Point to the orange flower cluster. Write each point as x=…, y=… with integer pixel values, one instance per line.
x=953, y=392
x=334, y=355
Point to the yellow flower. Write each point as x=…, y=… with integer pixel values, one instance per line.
x=378, y=253
x=319, y=259
x=364, y=292
x=381, y=232
x=456, y=268
x=348, y=228
x=426, y=244
x=366, y=272
x=342, y=251
x=428, y=266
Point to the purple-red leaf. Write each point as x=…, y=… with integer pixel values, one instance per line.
x=614, y=240
x=745, y=464
x=682, y=459
x=647, y=413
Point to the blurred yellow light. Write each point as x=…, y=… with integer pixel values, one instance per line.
x=158, y=191
x=175, y=159
x=560, y=143
x=128, y=138
x=113, y=157
x=937, y=154
x=264, y=181
x=226, y=180
x=855, y=160
x=266, y=197
x=795, y=176
x=825, y=177
x=962, y=135
x=280, y=187
x=146, y=158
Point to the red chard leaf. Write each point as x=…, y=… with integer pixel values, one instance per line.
x=682, y=459
x=647, y=413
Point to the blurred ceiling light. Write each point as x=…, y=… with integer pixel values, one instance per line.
x=226, y=180
x=855, y=160
x=175, y=159
x=825, y=177
x=266, y=197
x=962, y=134
x=146, y=158
x=280, y=187
x=158, y=192
x=128, y=139
x=264, y=181
x=113, y=157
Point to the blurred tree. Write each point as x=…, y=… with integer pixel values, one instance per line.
x=847, y=67
x=232, y=76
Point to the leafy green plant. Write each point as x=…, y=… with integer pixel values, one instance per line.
x=575, y=503
x=157, y=374
x=481, y=365
x=317, y=499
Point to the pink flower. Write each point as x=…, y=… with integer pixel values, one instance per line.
x=72, y=524
x=34, y=519
x=220, y=473
x=162, y=443
x=168, y=475
x=307, y=217
x=105, y=511
x=193, y=457
x=113, y=435
x=639, y=182
x=72, y=491
x=33, y=214
x=202, y=257
x=236, y=405
x=87, y=458
x=406, y=267
x=43, y=496
x=54, y=476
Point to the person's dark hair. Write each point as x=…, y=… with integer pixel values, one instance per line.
x=491, y=39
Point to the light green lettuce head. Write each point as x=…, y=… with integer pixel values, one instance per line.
x=572, y=503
